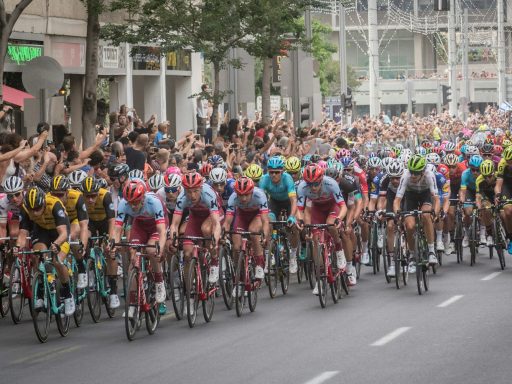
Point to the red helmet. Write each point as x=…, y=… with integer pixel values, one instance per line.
x=134, y=191
x=192, y=180
x=313, y=174
x=205, y=169
x=244, y=186
x=498, y=150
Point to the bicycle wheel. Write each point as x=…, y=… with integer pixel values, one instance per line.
x=300, y=264
x=209, y=291
x=386, y=261
x=344, y=283
x=177, y=287
x=152, y=314
x=252, y=294
x=192, y=293
x=309, y=265
x=4, y=288
x=321, y=278
x=61, y=319
x=40, y=315
x=284, y=267
x=425, y=273
x=78, y=295
x=418, y=257
x=473, y=240
x=240, y=284
x=499, y=241
x=132, y=310
x=16, y=295
x=94, y=290
x=273, y=267
x=226, y=276
x=374, y=250
x=457, y=238
x=166, y=271
x=357, y=258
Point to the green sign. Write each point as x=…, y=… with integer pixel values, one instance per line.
x=21, y=54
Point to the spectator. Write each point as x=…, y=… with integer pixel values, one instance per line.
x=135, y=155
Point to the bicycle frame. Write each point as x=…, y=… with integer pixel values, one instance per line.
x=97, y=255
x=45, y=262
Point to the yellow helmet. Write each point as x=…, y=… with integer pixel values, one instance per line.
x=292, y=164
x=254, y=172
x=506, y=143
x=487, y=168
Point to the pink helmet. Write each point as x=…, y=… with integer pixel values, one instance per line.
x=322, y=164
x=342, y=153
x=173, y=170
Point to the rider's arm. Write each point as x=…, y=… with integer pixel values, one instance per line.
x=381, y=203
x=83, y=220
x=499, y=185
x=63, y=234
x=216, y=227
x=266, y=224
x=61, y=223
x=396, y=204
x=108, y=206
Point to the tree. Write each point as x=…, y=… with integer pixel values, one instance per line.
x=7, y=21
x=211, y=27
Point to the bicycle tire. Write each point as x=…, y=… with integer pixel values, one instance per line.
x=43, y=314
x=63, y=321
x=425, y=273
x=321, y=278
x=226, y=276
x=93, y=293
x=240, y=284
x=284, y=268
x=252, y=294
x=166, y=271
x=419, y=262
x=16, y=294
x=192, y=293
x=386, y=262
x=208, y=304
x=357, y=258
x=374, y=250
x=499, y=242
x=473, y=241
x=300, y=264
x=344, y=283
x=152, y=315
x=177, y=287
x=397, y=260
x=310, y=266
x=4, y=289
x=132, y=299
x=440, y=258
x=273, y=268
x=78, y=315
x=457, y=238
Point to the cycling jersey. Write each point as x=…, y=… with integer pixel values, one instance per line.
x=349, y=189
x=455, y=177
x=504, y=170
x=75, y=206
x=228, y=190
x=361, y=175
x=281, y=191
x=427, y=181
x=208, y=203
x=170, y=205
x=329, y=193
x=53, y=216
x=485, y=187
x=386, y=185
x=468, y=181
x=151, y=209
x=103, y=208
x=375, y=185
x=443, y=184
x=7, y=207
x=257, y=204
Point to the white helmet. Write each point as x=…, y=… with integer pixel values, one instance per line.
x=472, y=150
x=396, y=169
x=76, y=177
x=136, y=174
x=374, y=162
x=13, y=184
x=386, y=162
x=156, y=182
x=449, y=147
x=173, y=180
x=433, y=158
x=218, y=175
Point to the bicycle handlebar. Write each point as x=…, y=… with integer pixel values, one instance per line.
x=319, y=225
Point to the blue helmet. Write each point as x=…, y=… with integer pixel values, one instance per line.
x=347, y=161
x=215, y=160
x=475, y=161
x=275, y=162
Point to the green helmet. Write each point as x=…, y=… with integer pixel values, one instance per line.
x=417, y=163
x=487, y=168
x=507, y=153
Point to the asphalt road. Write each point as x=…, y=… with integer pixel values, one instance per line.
x=459, y=332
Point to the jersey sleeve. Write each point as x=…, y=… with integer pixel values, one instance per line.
x=158, y=211
x=59, y=215
x=108, y=206
x=301, y=195
x=230, y=211
x=432, y=184
x=121, y=213
x=464, y=180
x=25, y=222
x=400, y=192
x=334, y=189
x=501, y=169
x=290, y=185
x=181, y=204
x=263, y=203
x=81, y=209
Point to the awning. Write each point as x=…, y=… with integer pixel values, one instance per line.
x=15, y=96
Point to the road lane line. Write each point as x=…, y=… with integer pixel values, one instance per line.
x=51, y=352
x=450, y=301
x=491, y=276
x=390, y=336
x=323, y=377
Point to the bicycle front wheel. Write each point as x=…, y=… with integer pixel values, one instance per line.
x=4, y=289
x=226, y=276
x=152, y=314
x=192, y=293
x=458, y=235
x=16, y=295
x=252, y=294
x=40, y=308
x=240, y=284
x=499, y=240
x=284, y=268
x=132, y=311
x=321, y=278
x=94, y=290
x=310, y=265
x=473, y=241
x=177, y=287
x=78, y=296
x=61, y=319
x=209, y=290
x=272, y=267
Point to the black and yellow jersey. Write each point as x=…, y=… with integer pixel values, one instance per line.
x=504, y=170
x=103, y=208
x=75, y=206
x=53, y=216
x=484, y=186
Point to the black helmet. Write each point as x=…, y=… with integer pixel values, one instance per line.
x=34, y=199
x=118, y=170
x=90, y=185
x=59, y=184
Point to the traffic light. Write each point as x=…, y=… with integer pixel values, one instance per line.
x=447, y=94
x=348, y=99
x=441, y=5
x=304, y=116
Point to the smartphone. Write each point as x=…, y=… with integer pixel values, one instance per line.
x=197, y=137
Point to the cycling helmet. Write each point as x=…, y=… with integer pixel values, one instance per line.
x=431, y=168
x=449, y=147
x=386, y=162
x=488, y=148
x=34, y=199
x=156, y=182
x=205, y=169
x=102, y=182
x=487, y=168
x=332, y=172
x=292, y=164
x=498, y=150
x=254, y=172
x=396, y=169
x=134, y=191
x=400, y=147
x=348, y=162
x=451, y=159
x=342, y=153
x=306, y=159
x=218, y=175
x=472, y=150
x=322, y=164
x=469, y=142
x=275, y=162
x=417, y=163
x=313, y=174
x=13, y=184
x=315, y=158
x=506, y=143
x=407, y=151
x=433, y=158
x=475, y=161
x=372, y=154
x=192, y=180
x=59, y=183
x=426, y=144
x=116, y=170
x=244, y=186
x=421, y=151
x=331, y=162
x=374, y=162
x=90, y=185
x=507, y=154
x=136, y=174
x=215, y=160
x=172, y=180
x=173, y=170
x=76, y=177
x=362, y=160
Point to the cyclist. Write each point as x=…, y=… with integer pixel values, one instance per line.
x=467, y=194
x=74, y=203
x=156, y=182
x=76, y=177
x=455, y=169
x=248, y=211
x=418, y=187
x=148, y=227
x=292, y=167
x=10, y=204
x=280, y=188
x=320, y=201
x=204, y=220
x=102, y=222
x=503, y=189
x=118, y=174
x=485, y=196
x=169, y=193
x=254, y=172
x=221, y=184
x=44, y=218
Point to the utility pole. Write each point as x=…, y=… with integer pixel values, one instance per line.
x=452, y=59
x=465, y=67
x=343, y=58
x=502, y=91
x=373, y=45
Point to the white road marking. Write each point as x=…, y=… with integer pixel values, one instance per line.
x=323, y=377
x=451, y=300
x=41, y=356
x=491, y=276
x=390, y=336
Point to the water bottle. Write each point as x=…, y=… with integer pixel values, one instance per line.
x=380, y=239
x=53, y=285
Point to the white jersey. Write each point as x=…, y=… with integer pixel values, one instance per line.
x=426, y=182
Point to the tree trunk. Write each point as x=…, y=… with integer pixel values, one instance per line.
x=215, y=113
x=89, y=110
x=265, y=90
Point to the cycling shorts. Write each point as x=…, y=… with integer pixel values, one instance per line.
x=143, y=230
x=320, y=212
x=415, y=200
x=470, y=198
x=276, y=206
x=98, y=228
x=242, y=222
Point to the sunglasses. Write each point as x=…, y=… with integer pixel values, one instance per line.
x=11, y=196
x=487, y=154
x=452, y=166
x=171, y=189
x=274, y=172
x=91, y=195
x=313, y=184
x=416, y=173
x=219, y=184
x=349, y=169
